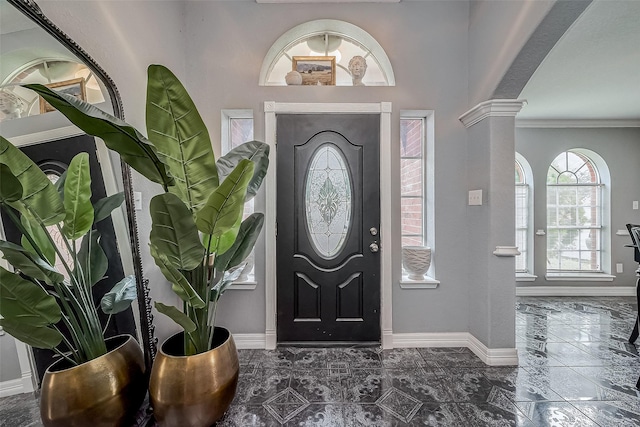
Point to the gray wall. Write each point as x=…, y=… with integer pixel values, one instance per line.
x=427, y=45
x=620, y=149
x=9, y=363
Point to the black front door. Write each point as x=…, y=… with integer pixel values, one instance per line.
x=54, y=158
x=328, y=216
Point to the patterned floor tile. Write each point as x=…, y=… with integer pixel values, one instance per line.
x=256, y=388
x=402, y=406
x=485, y=415
x=569, y=384
x=248, y=416
x=555, y=414
x=422, y=385
x=400, y=358
x=609, y=414
x=318, y=415
x=468, y=385
x=317, y=386
x=576, y=369
x=364, y=385
x=285, y=405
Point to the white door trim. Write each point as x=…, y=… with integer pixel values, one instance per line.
x=383, y=109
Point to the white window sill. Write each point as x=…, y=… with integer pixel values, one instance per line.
x=426, y=283
x=579, y=277
x=525, y=277
x=246, y=285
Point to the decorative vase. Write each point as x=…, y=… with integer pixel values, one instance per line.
x=106, y=391
x=293, y=78
x=194, y=391
x=416, y=261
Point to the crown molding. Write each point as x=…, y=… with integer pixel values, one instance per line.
x=492, y=108
x=577, y=123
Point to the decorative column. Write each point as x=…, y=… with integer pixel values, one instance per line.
x=491, y=228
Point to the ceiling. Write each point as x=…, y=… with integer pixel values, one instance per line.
x=593, y=72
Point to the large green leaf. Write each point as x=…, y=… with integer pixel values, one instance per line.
x=256, y=151
x=119, y=298
x=221, y=211
x=179, y=283
x=40, y=237
x=244, y=243
x=77, y=198
x=35, y=336
x=25, y=301
x=10, y=187
x=38, y=194
x=174, y=233
x=102, y=208
x=92, y=259
x=180, y=137
x=29, y=264
x=117, y=135
x=177, y=316
x=222, y=244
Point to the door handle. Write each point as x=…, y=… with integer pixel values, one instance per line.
x=374, y=247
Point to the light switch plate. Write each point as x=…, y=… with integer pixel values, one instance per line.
x=475, y=197
x=619, y=268
x=635, y=205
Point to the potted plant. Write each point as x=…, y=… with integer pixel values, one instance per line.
x=95, y=379
x=198, y=237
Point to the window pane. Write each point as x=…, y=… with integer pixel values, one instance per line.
x=411, y=209
x=412, y=241
x=411, y=138
x=327, y=201
x=411, y=177
x=240, y=131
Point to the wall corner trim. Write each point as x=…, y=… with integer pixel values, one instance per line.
x=490, y=356
x=492, y=108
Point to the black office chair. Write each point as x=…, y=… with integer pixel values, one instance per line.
x=634, y=232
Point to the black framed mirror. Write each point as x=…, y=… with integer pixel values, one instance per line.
x=22, y=58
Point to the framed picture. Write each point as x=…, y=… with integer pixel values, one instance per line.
x=75, y=87
x=316, y=70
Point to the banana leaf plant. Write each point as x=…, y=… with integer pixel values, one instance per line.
x=198, y=239
x=48, y=287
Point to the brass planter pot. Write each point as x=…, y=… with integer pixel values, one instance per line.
x=193, y=391
x=106, y=391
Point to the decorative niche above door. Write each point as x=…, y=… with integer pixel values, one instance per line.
x=322, y=42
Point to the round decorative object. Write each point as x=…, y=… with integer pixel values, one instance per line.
x=293, y=78
x=416, y=260
x=106, y=391
x=194, y=391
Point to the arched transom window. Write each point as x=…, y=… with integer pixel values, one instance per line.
x=574, y=214
x=327, y=52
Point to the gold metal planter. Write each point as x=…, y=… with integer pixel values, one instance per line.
x=106, y=391
x=193, y=391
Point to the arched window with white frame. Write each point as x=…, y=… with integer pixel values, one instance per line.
x=524, y=218
x=576, y=214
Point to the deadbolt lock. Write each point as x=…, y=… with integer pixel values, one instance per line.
x=373, y=231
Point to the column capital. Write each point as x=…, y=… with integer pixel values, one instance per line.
x=492, y=108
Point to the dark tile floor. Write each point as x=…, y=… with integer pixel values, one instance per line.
x=576, y=369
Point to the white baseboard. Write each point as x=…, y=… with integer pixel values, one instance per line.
x=11, y=387
x=490, y=356
x=493, y=356
x=247, y=341
x=575, y=291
